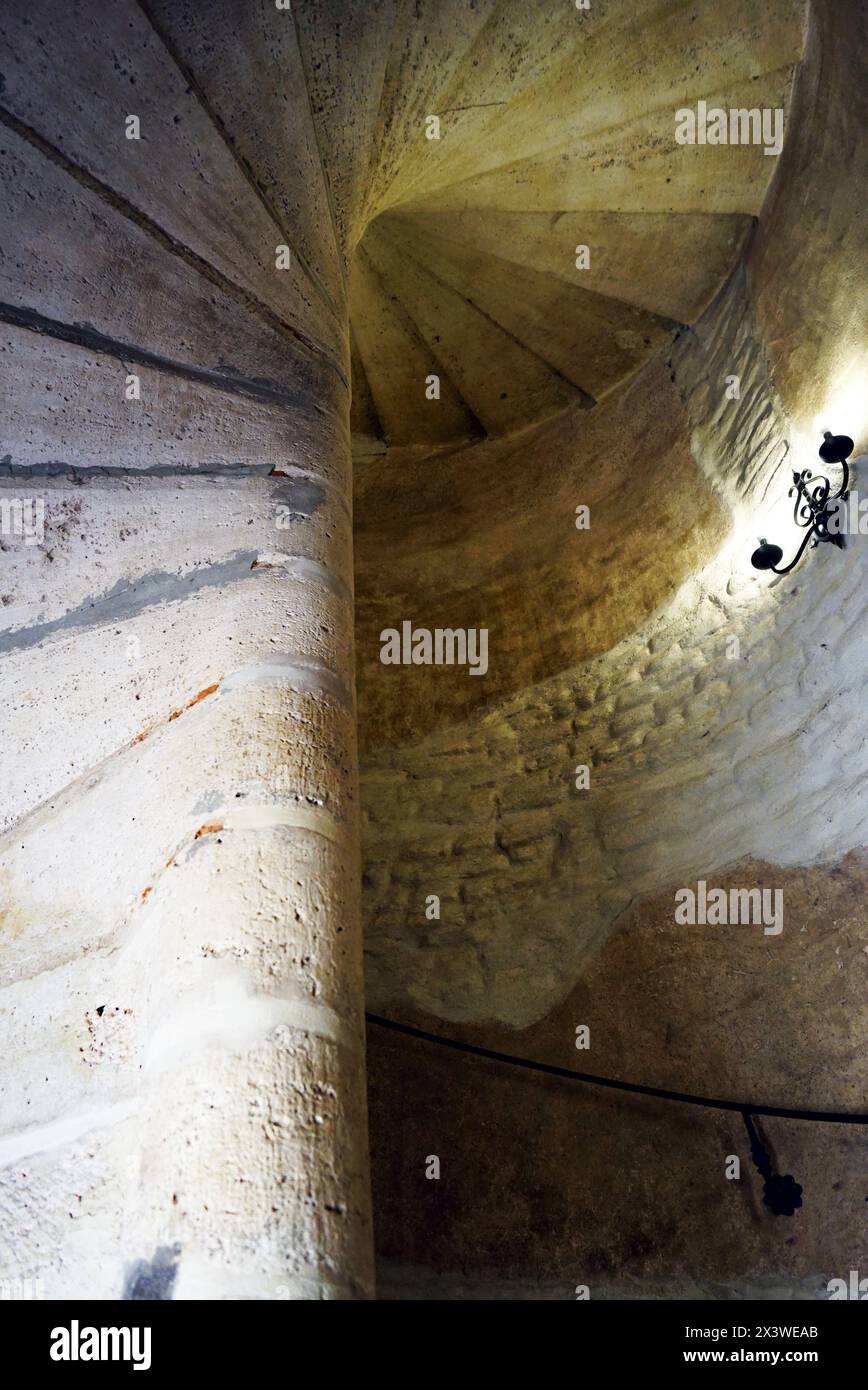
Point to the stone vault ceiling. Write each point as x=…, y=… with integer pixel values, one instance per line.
x=555, y=132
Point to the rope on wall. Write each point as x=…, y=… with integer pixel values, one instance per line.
x=781, y=1193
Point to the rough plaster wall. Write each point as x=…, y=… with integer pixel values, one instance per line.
x=808, y=257
x=696, y=759
x=545, y=1184
x=489, y=542
x=182, y=1112
x=557, y=905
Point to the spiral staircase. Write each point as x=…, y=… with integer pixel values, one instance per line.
x=309, y=126
x=424, y=274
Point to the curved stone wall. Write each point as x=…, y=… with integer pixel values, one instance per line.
x=182, y=1101
x=718, y=716
x=702, y=730
x=219, y=224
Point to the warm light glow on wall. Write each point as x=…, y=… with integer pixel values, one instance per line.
x=846, y=407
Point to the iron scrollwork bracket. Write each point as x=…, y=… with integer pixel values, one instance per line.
x=814, y=507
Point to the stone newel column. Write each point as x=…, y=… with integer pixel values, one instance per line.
x=182, y=1097
x=183, y=1000
x=254, y=1156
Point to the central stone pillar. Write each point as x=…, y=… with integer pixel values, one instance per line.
x=253, y=1170
x=182, y=1012
x=185, y=868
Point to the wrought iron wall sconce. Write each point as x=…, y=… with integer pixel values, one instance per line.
x=814, y=507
